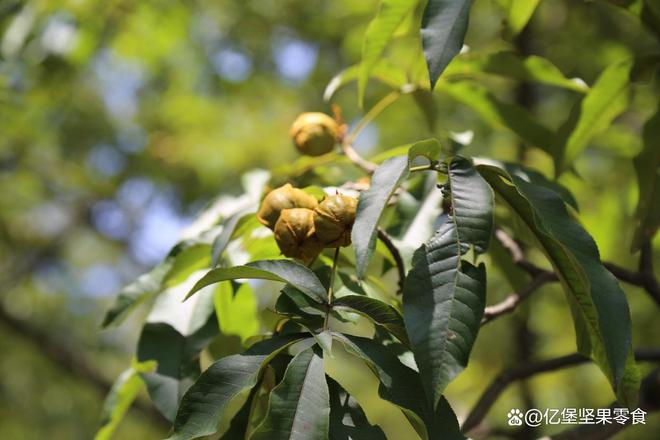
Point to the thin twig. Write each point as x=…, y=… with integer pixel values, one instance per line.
x=644, y=278
x=508, y=304
x=505, y=378
x=401, y=268
x=354, y=156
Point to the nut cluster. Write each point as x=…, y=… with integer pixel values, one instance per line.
x=303, y=226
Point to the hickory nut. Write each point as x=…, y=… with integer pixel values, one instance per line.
x=279, y=199
x=314, y=133
x=333, y=220
x=294, y=234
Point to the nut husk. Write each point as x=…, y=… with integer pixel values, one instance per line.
x=314, y=133
x=333, y=220
x=294, y=234
x=284, y=197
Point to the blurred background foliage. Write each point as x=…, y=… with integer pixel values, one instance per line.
x=120, y=120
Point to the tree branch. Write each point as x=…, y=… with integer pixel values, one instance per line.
x=70, y=360
x=505, y=378
x=649, y=402
x=513, y=300
x=401, y=268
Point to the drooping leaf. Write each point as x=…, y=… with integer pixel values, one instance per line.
x=286, y=271
x=173, y=336
x=444, y=295
x=347, y=420
x=121, y=396
x=501, y=114
x=402, y=386
x=647, y=166
x=135, y=293
x=380, y=31
x=207, y=399
x=444, y=25
x=376, y=310
x=184, y=258
x=299, y=406
x=225, y=236
x=387, y=178
x=606, y=100
x=600, y=310
x=510, y=65
x=177, y=358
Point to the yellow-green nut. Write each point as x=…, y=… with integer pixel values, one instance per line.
x=314, y=133
x=284, y=197
x=333, y=220
x=294, y=234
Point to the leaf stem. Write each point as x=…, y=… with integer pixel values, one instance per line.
x=373, y=113
x=331, y=289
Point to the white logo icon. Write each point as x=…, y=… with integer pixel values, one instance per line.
x=515, y=417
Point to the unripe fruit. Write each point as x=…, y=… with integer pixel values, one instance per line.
x=314, y=133
x=333, y=220
x=294, y=234
x=284, y=197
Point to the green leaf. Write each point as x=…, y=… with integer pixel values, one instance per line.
x=177, y=357
x=286, y=271
x=606, y=100
x=195, y=256
x=600, y=309
x=518, y=13
x=647, y=166
x=380, y=31
x=424, y=100
x=383, y=71
x=402, y=386
x=228, y=229
x=501, y=114
x=444, y=296
x=511, y=65
x=444, y=25
x=236, y=311
x=121, y=396
x=208, y=398
x=387, y=178
x=299, y=406
x=380, y=313
x=347, y=420
x=137, y=292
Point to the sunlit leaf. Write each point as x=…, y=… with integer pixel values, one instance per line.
x=510, y=65
x=390, y=15
x=121, y=396
x=237, y=312
x=606, y=100
x=518, y=13
x=384, y=72
x=285, y=271
x=501, y=114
